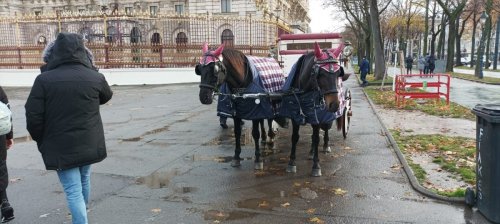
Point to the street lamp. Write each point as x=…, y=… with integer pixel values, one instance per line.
x=482, y=19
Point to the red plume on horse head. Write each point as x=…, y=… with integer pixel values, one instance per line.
x=219, y=50
x=336, y=52
x=205, y=47
x=317, y=51
x=215, y=53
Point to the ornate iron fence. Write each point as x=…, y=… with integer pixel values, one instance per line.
x=139, y=40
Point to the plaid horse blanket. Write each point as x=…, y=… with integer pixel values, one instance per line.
x=267, y=78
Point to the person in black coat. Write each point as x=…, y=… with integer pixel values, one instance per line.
x=6, y=141
x=63, y=117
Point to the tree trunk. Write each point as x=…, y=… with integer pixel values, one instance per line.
x=458, y=51
x=495, y=58
x=426, y=30
x=484, y=36
x=377, y=41
x=452, y=32
x=473, y=47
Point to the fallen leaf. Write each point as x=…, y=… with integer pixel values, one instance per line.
x=45, y=215
x=216, y=221
x=156, y=210
x=296, y=184
x=13, y=180
x=316, y=220
x=385, y=172
x=339, y=191
x=263, y=204
x=285, y=205
x=311, y=211
x=220, y=214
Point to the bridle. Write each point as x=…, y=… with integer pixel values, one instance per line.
x=320, y=64
x=219, y=69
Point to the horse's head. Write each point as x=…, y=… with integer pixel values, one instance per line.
x=212, y=72
x=326, y=70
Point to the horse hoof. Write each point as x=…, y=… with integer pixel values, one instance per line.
x=327, y=149
x=311, y=156
x=291, y=169
x=235, y=163
x=259, y=165
x=316, y=173
x=271, y=141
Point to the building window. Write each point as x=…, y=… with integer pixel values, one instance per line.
x=153, y=10
x=38, y=13
x=156, y=42
x=179, y=9
x=128, y=10
x=227, y=38
x=81, y=10
x=111, y=37
x=181, y=41
x=135, y=35
x=225, y=5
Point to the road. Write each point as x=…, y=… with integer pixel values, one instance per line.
x=168, y=162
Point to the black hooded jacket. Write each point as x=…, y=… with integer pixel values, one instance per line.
x=62, y=110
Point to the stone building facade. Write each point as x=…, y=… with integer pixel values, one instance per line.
x=170, y=22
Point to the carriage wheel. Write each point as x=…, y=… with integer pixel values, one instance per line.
x=347, y=113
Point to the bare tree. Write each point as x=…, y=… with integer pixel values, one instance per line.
x=452, y=28
x=486, y=30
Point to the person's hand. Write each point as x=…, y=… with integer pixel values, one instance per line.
x=9, y=143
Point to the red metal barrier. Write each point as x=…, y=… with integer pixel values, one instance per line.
x=416, y=86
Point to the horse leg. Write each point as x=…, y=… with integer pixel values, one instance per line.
x=292, y=167
x=259, y=164
x=262, y=131
x=270, y=133
x=237, y=135
x=326, y=138
x=316, y=169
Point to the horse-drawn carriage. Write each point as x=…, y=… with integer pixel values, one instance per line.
x=313, y=93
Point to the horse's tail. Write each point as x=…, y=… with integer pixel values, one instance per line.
x=340, y=123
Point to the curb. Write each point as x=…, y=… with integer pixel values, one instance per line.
x=409, y=173
x=496, y=84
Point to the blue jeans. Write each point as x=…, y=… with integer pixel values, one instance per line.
x=76, y=184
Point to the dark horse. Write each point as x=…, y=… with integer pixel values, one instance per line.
x=233, y=69
x=312, y=97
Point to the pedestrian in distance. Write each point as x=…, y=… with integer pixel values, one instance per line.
x=6, y=142
x=426, y=68
x=421, y=64
x=364, y=68
x=409, y=64
x=63, y=117
x=432, y=63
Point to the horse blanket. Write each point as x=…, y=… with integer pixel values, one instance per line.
x=308, y=108
x=267, y=78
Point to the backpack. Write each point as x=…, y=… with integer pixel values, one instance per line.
x=5, y=119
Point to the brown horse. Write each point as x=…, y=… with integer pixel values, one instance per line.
x=313, y=99
x=233, y=69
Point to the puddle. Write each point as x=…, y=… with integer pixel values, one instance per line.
x=158, y=130
x=134, y=139
x=225, y=216
x=158, y=179
x=258, y=203
x=219, y=159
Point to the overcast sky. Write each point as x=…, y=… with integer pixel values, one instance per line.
x=321, y=18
